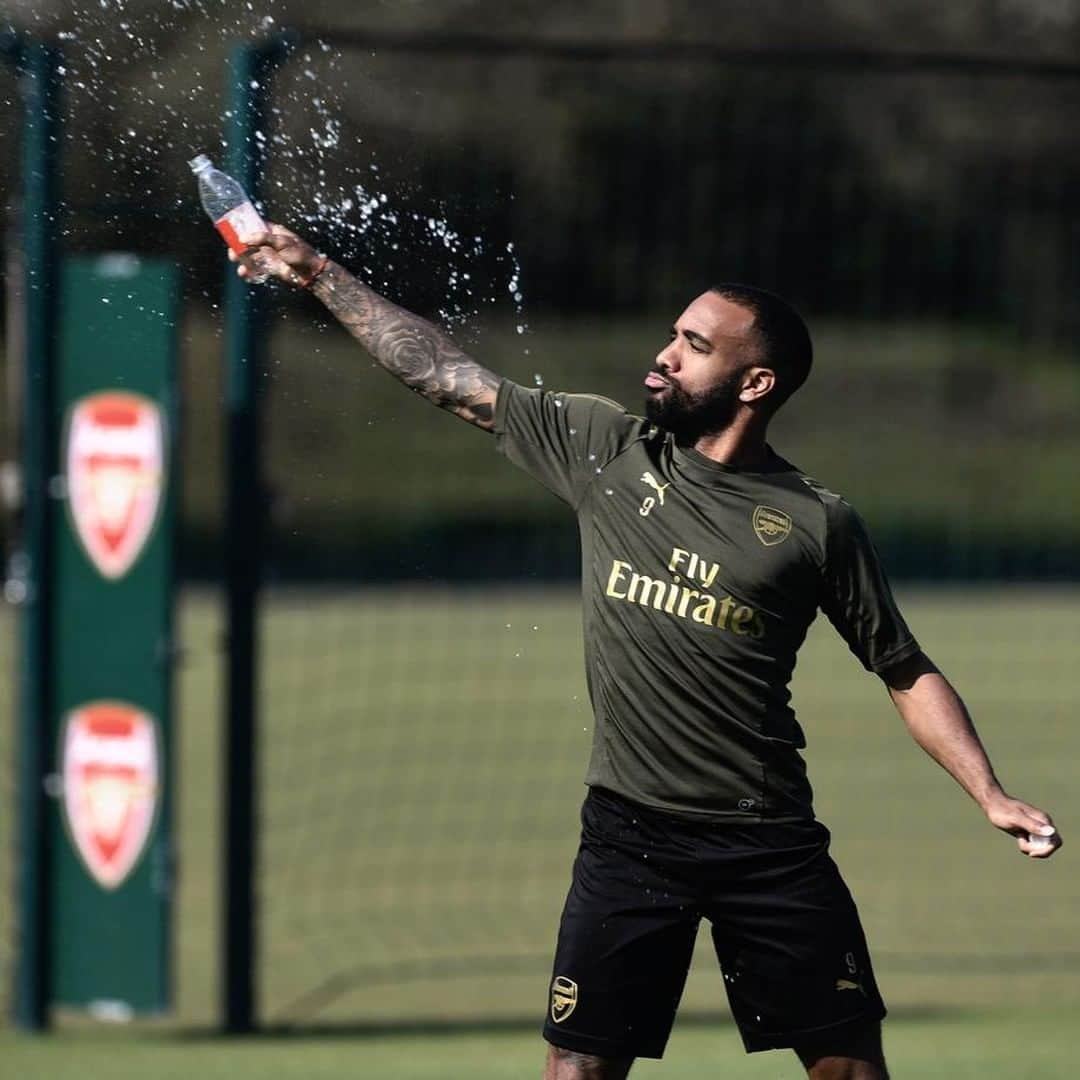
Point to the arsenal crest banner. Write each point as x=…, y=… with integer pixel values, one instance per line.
x=115, y=469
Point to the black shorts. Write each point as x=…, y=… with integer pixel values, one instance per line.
x=785, y=928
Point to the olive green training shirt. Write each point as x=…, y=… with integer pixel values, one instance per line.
x=699, y=583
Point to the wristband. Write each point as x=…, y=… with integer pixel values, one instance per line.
x=307, y=282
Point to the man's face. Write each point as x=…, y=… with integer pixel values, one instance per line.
x=693, y=390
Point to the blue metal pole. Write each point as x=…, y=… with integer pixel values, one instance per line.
x=33, y=563
x=250, y=68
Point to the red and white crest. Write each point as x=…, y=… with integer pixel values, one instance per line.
x=110, y=769
x=115, y=472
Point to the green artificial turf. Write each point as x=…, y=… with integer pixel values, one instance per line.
x=1011, y=1044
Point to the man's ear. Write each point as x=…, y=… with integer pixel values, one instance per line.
x=756, y=383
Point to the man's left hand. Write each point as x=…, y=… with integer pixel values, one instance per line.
x=1035, y=833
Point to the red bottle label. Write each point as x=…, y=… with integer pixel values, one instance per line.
x=240, y=221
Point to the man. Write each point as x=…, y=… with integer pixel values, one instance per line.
x=705, y=559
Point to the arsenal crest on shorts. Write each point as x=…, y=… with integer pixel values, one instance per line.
x=115, y=471
x=564, y=995
x=110, y=770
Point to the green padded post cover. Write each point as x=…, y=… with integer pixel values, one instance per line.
x=111, y=868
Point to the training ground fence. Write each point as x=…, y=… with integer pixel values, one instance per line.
x=422, y=716
x=558, y=209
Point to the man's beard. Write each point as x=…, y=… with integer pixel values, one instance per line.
x=690, y=416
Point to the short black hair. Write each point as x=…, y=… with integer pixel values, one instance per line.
x=782, y=335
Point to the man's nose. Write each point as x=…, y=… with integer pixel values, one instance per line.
x=668, y=358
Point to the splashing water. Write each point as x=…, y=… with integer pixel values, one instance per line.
x=145, y=69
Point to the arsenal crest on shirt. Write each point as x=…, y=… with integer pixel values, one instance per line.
x=110, y=770
x=115, y=474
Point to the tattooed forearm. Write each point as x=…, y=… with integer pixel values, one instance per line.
x=410, y=348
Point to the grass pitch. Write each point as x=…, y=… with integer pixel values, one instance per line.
x=421, y=761
x=1014, y=1044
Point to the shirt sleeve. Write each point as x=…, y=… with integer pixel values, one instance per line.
x=856, y=596
x=562, y=440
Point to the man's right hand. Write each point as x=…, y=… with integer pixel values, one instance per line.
x=279, y=253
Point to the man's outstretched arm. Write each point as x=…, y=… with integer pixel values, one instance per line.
x=412, y=349
x=941, y=725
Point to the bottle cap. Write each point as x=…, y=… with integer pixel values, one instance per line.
x=197, y=164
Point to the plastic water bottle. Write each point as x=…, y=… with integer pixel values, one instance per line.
x=228, y=207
